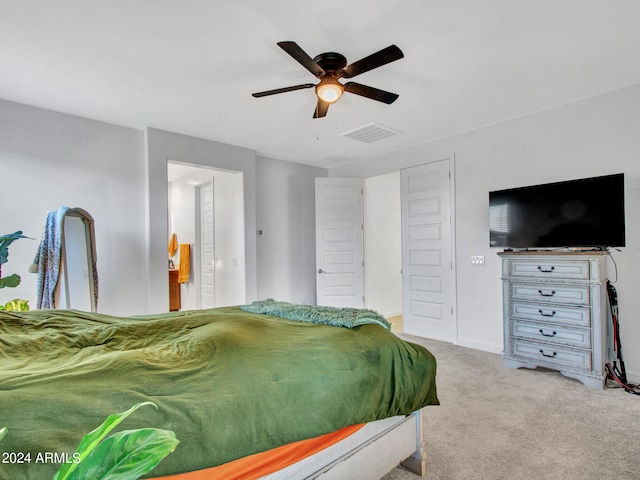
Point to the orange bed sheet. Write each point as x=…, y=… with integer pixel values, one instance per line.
x=264, y=463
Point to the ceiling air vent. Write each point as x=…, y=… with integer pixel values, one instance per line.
x=372, y=132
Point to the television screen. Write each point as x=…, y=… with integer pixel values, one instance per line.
x=587, y=212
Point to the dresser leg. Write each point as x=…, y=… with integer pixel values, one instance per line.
x=591, y=382
x=510, y=363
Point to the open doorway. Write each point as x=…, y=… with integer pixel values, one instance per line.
x=383, y=247
x=409, y=249
x=206, y=212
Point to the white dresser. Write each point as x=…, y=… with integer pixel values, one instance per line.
x=555, y=313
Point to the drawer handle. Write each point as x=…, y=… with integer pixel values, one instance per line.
x=545, y=355
x=547, y=334
x=553, y=312
x=549, y=270
x=553, y=292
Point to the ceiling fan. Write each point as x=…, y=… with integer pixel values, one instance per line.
x=329, y=67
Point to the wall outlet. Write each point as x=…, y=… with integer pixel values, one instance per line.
x=477, y=260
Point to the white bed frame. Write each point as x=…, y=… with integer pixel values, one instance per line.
x=401, y=444
x=368, y=454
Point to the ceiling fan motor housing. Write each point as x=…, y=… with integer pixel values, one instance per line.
x=329, y=67
x=331, y=62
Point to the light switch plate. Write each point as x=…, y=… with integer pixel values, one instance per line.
x=477, y=260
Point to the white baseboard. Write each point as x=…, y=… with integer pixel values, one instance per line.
x=633, y=377
x=391, y=314
x=485, y=347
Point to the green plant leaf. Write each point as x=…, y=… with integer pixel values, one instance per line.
x=126, y=455
x=93, y=438
x=10, y=281
x=16, y=305
x=5, y=241
x=3, y=432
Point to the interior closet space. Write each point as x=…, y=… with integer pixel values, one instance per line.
x=383, y=245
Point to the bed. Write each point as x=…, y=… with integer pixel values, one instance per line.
x=232, y=384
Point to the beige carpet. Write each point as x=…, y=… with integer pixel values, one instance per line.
x=496, y=423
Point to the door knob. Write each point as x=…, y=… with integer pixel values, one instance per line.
x=320, y=270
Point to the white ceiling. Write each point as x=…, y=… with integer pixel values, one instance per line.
x=191, y=66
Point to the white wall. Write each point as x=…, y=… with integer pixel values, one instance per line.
x=49, y=160
x=286, y=215
x=383, y=244
x=119, y=175
x=596, y=136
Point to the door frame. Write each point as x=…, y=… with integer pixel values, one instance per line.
x=340, y=245
x=452, y=194
x=190, y=291
x=452, y=328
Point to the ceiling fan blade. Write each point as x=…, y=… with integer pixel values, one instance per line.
x=282, y=90
x=370, y=92
x=375, y=60
x=293, y=49
x=322, y=108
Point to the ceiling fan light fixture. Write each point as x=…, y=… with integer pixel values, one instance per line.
x=329, y=90
x=329, y=67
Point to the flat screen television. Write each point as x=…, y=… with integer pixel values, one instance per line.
x=583, y=213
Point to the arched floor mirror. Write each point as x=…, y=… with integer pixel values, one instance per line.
x=66, y=261
x=77, y=284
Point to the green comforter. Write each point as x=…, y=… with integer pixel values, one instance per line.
x=227, y=382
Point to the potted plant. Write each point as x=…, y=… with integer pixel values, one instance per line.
x=13, y=280
x=126, y=455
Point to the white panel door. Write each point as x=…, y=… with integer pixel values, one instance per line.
x=339, y=242
x=207, y=253
x=428, y=282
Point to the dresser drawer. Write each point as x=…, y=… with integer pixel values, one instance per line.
x=574, y=316
x=548, y=268
x=550, y=293
x=551, y=354
x=553, y=334
x=555, y=313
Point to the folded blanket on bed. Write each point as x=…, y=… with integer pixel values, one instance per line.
x=338, y=317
